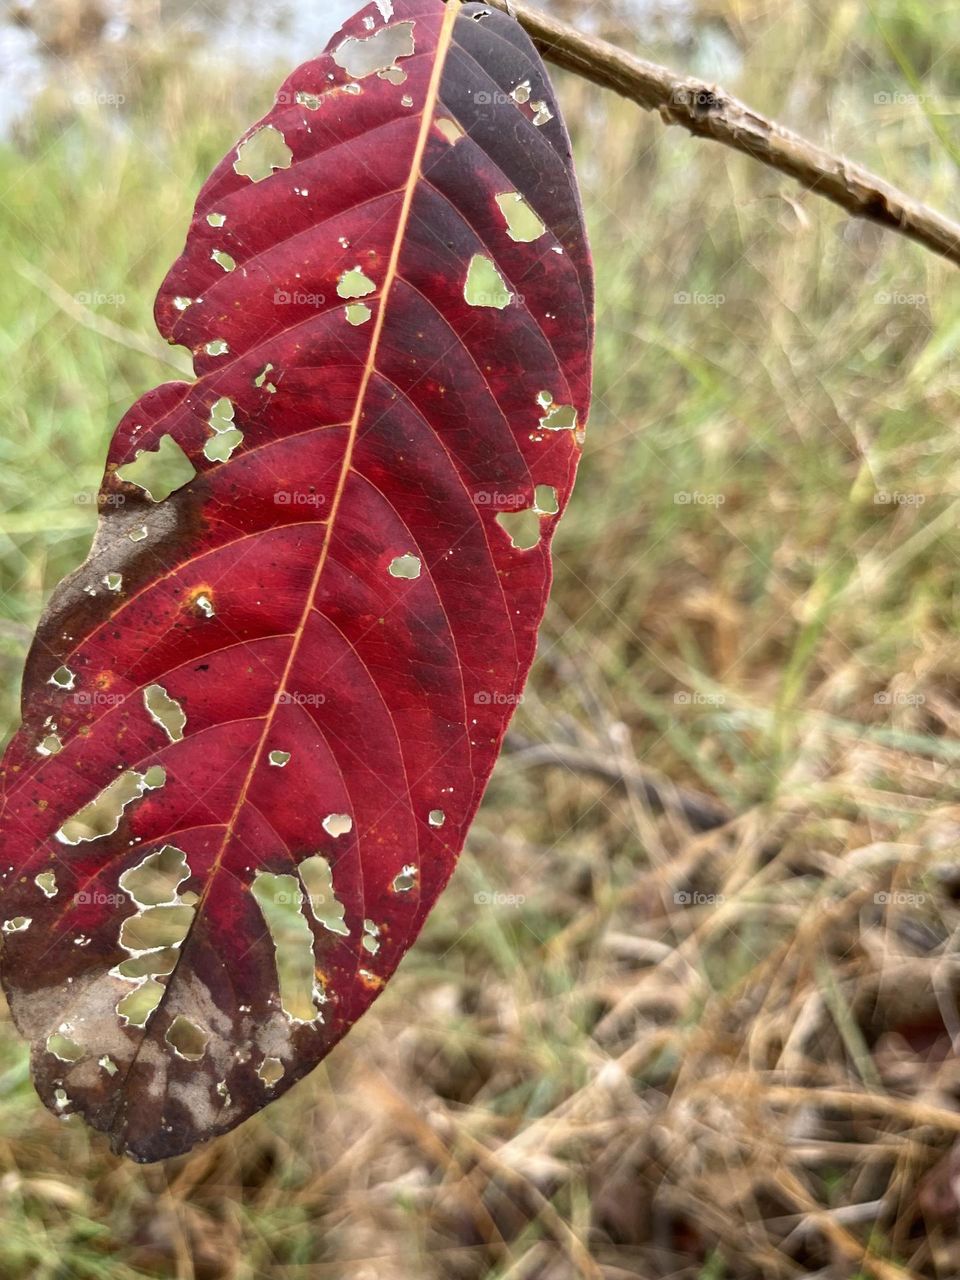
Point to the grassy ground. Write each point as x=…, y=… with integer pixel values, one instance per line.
x=620, y=1049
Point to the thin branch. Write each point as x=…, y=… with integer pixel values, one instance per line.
x=77, y=311
x=710, y=112
x=700, y=811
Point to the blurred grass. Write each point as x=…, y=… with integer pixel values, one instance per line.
x=574, y=1072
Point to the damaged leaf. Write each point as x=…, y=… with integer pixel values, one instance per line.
x=248, y=765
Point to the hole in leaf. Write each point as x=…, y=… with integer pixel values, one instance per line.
x=156, y=927
x=279, y=758
x=393, y=75
x=545, y=500
x=523, y=225
x=261, y=377
x=309, y=100
x=186, y=1039
x=222, y=413
x=317, y=877
x=542, y=113
x=405, y=566
x=101, y=817
x=216, y=348
x=280, y=901
x=18, y=924
x=271, y=1071
x=63, y=678
x=158, y=472
x=63, y=1047
x=362, y=56
x=223, y=259
x=561, y=417
x=405, y=879
x=358, y=313
x=436, y=817
x=108, y=1065
x=47, y=882
x=138, y=534
x=260, y=154
x=50, y=745
x=136, y=1007
x=338, y=824
x=450, y=129
x=225, y=436
x=354, y=284
x=485, y=286
x=522, y=528
x=182, y=303
x=113, y=581
x=371, y=937
x=156, y=879
x=166, y=711
x=151, y=964
x=216, y=219
x=220, y=447
x=522, y=92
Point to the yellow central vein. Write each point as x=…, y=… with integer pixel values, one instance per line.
x=433, y=91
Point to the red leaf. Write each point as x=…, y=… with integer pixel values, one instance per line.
x=303, y=661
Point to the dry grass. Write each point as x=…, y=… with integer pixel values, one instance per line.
x=621, y=1048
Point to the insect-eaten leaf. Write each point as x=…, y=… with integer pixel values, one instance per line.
x=259, y=719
